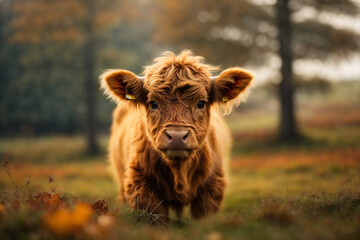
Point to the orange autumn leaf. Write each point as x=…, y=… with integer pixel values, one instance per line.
x=64, y=221
x=81, y=214
x=2, y=208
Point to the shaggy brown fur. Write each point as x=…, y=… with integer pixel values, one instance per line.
x=168, y=138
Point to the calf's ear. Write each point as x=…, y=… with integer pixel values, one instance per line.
x=123, y=85
x=230, y=83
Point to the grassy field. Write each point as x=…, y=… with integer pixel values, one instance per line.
x=304, y=190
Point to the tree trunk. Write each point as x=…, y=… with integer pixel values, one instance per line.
x=89, y=64
x=288, y=129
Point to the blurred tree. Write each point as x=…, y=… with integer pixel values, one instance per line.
x=9, y=55
x=238, y=32
x=288, y=129
x=89, y=65
x=66, y=32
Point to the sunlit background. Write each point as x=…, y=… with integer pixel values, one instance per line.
x=54, y=121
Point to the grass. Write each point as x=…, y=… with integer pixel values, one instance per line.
x=307, y=190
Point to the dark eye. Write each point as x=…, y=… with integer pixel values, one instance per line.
x=200, y=105
x=153, y=105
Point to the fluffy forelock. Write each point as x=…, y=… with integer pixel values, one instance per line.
x=171, y=71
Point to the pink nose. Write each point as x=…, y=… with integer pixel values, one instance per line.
x=173, y=136
x=177, y=139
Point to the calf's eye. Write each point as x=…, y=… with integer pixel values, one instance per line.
x=153, y=105
x=200, y=105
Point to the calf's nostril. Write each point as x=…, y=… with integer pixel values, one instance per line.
x=185, y=136
x=168, y=136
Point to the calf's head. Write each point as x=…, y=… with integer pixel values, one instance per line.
x=176, y=95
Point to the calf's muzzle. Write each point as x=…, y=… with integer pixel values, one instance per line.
x=177, y=139
x=177, y=143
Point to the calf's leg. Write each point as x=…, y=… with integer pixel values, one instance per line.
x=208, y=199
x=139, y=194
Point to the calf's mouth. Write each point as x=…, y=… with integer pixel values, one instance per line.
x=177, y=154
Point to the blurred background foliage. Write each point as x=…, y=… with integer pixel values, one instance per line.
x=52, y=52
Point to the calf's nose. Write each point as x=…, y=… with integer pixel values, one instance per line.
x=177, y=138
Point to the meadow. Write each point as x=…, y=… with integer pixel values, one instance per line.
x=307, y=189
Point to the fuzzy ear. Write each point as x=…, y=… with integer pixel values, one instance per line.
x=122, y=84
x=230, y=83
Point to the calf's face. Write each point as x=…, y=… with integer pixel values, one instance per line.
x=177, y=99
x=178, y=114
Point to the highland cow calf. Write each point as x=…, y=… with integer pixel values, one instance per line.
x=168, y=138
